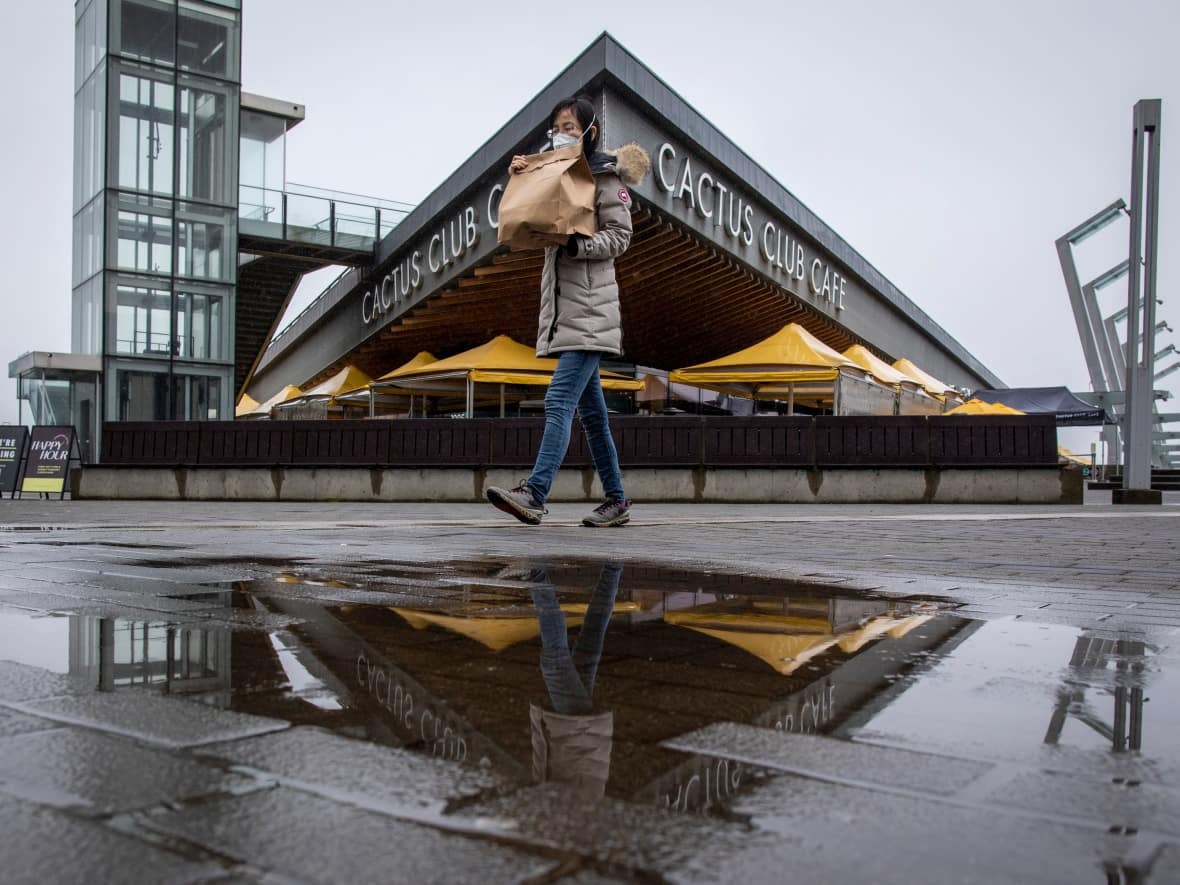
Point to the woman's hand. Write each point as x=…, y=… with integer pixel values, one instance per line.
x=518, y=163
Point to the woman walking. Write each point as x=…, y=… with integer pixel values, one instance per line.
x=580, y=322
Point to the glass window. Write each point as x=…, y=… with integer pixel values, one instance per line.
x=89, y=132
x=88, y=230
x=199, y=397
x=144, y=29
x=142, y=143
x=142, y=320
x=90, y=40
x=208, y=156
x=138, y=394
x=202, y=323
x=86, y=317
x=143, y=235
x=206, y=242
x=209, y=41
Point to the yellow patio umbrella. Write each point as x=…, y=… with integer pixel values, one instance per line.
x=975, y=406
x=792, y=362
x=499, y=361
x=928, y=382
x=262, y=410
x=878, y=368
x=348, y=378
x=377, y=390
x=245, y=405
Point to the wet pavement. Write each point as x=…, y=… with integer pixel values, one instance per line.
x=319, y=693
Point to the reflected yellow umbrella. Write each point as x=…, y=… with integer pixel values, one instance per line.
x=785, y=642
x=497, y=631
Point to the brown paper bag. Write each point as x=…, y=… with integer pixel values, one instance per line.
x=553, y=194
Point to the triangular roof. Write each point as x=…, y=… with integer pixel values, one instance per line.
x=1069, y=409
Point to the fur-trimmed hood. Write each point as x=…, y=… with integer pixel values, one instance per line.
x=630, y=162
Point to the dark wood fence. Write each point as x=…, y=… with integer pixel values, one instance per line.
x=674, y=441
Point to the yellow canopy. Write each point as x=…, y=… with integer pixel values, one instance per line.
x=498, y=632
x=262, y=410
x=976, y=406
x=361, y=393
x=499, y=361
x=878, y=368
x=928, y=382
x=791, y=356
x=420, y=359
x=787, y=642
x=348, y=378
x=245, y=406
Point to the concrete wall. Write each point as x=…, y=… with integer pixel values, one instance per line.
x=991, y=485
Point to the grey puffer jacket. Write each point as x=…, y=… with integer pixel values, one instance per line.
x=579, y=294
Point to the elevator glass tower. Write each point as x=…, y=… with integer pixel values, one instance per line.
x=157, y=94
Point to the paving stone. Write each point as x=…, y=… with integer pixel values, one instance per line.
x=831, y=758
x=39, y=846
x=1143, y=806
x=1165, y=867
x=357, y=771
x=96, y=773
x=314, y=839
x=16, y=723
x=638, y=837
x=845, y=832
x=20, y=682
x=156, y=719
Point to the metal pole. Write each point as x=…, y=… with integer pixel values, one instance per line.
x=1141, y=308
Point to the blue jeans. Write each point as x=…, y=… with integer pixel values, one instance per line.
x=569, y=676
x=576, y=385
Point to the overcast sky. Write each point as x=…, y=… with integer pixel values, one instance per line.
x=950, y=143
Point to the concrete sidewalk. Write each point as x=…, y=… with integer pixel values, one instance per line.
x=138, y=784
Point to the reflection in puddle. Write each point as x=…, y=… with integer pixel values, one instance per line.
x=579, y=672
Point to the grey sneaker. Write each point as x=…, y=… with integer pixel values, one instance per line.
x=520, y=502
x=615, y=512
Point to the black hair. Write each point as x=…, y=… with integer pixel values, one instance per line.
x=583, y=109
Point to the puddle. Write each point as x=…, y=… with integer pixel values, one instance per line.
x=579, y=671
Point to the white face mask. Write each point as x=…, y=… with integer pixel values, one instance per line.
x=564, y=139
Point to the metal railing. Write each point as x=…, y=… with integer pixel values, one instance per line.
x=316, y=216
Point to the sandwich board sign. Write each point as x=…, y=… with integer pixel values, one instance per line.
x=47, y=467
x=12, y=451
